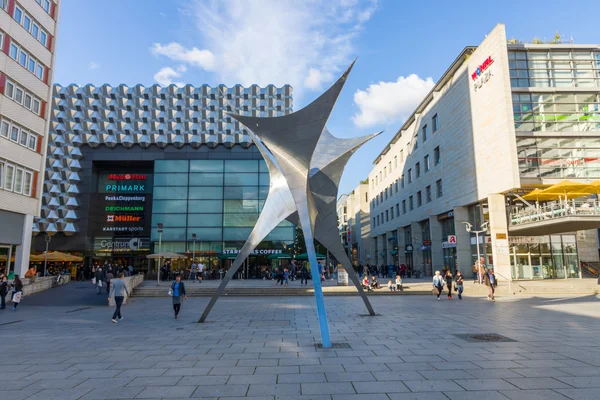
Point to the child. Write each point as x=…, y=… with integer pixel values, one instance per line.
x=366, y=283
x=390, y=286
x=374, y=283
x=398, y=283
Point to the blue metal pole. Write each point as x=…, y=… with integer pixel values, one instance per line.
x=316, y=278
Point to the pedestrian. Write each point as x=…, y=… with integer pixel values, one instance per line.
x=438, y=283
x=200, y=271
x=366, y=283
x=449, y=281
x=118, y=290
x=98, y=278
x=374, y=283
x=294, y=271
x=460, y=280
x=304, y=275
x=193, y=271
x=366, y=270
x=109, y=278
x=130, y=268
x=178, y=293
x=17, y=287
x=479, y=270
x=391, y=287
x=286, y=276
x=3, y=291
x=489, y=279
x=398, y=283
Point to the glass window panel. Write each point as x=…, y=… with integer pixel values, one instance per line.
x=32, y=142
x=582, y=55
x=241, y=165
x=263, y=192
x=264, y=179
x=206, y=166
x=169, y=220
x=520, y=55
x=241, y=192
x=18, y=180
x=243, y=220
x=39, y=72
x=170, y=166
x=36, y=106
x=206, y=234
x=23, y=58
x=4, y=127
x=19, y=96
x=26, y=23
x=262, y=166
x=14, y=51
x=240, y=234
x=27, y=102
x=169, y=206
x=170, y=234
x=9, y=177
x=241, y=179
x=14, y=133
x=206, y=193
x=18, y=14
x=174, y=193
x=31, y=66
x=27, y=183
x=170, y=179
x=281, y=234
x=205, y=206
x=214, y=220
x=8, y=92
x=35, y=31
x=23, y=139
x=206, y=179
x=240, y=206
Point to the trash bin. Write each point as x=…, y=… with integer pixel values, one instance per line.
x=342, y=276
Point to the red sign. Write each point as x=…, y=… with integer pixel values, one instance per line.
x=122, y=218
x=485, y=65
x=126, y=177
x=452, y=239
x=426, y=242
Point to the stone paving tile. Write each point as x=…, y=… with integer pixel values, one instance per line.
x=59, y=394
x=301, y=378
x=580, y=394
x=153, y=381
x=166, y=391
x=484, y=384
x=537, y=383
x=493, y=373
x=52, y=374
x=360, y=397
x=69, y=383
x=380, y=387
x=19, y=394
x=257, y=363
x=278, y=370
x=252, y=379
x=349, y=377
x=433, y=386
x=445, y=374
x=365, y=367
x=418, y=396
x=328, y=388
x=280, y=389
x=220, y=391
x=101, y=382
x=536, y=394
x=540, y=372
x=203, y=380
x=315, y=369
x=476, y=395
x=182, y=371
x=232, y=371
x=463, y=365
x=383, y=376
x=581, y=382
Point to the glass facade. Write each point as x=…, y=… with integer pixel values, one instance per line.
x=556, y=112
x=544, y=257
x=217, y=200
x=566, y=157
x=555, y=68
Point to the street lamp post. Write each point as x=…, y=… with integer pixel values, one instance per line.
x=483, y=229
x=194, y=248
x=159, y=229
x=47, y=239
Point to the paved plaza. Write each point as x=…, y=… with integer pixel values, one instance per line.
x=61, y=345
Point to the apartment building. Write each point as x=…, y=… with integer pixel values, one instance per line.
x=27, y=43
x=503, y=120
x=354, y=225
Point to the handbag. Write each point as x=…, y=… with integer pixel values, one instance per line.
x=99, y=283
x=170, y=292
x=17, y=297
x=94, y=280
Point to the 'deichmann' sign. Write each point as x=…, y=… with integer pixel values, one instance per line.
x=255, y=252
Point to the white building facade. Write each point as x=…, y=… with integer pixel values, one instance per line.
x=354, y=224
x=502, y=120
x=27, y=44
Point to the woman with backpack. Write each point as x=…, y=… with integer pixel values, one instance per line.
x=178, y=293
x=17, y=287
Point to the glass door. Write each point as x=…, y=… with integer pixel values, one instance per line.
x=5, y=256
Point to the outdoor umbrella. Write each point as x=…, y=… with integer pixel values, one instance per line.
x=166, y=254
x=537, y=195
x=304, y=256
x=32, y=258
x=565, y=187
x=57, y=256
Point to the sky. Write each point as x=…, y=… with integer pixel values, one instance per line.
x=402, y=49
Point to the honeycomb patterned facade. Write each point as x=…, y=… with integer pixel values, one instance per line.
x=140, y=116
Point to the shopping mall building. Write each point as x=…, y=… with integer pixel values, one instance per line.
x=504, y=119
x=122, y=160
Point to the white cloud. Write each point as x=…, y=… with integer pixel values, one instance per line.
x=302, y=43
x=194, y=57
x=93, y=66
x=388, y=102
x=165, y=76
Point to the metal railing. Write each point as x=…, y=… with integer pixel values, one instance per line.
x=555, y=210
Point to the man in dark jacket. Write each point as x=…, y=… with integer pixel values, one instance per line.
x=99, y=279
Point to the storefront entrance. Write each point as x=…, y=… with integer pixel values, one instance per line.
x=544, y=257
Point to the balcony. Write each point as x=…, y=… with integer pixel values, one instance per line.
x=555, y=217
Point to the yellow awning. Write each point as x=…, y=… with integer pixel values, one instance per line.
x=565, y=187
x=537, y=195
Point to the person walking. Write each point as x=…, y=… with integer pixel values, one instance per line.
x=489, y=280
x=118, y=290
x=438, y=283
x=194, y=271
x=109, y=277
x=303, y=275
x=17, y=287
x=449, y=280
x=200, y=271
x=460, y=280
x=3, y=291
x=179, y=294
x=99, y=278
x=294, y=271
x=286, y=276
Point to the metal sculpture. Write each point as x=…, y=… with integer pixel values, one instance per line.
x=305, y=164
